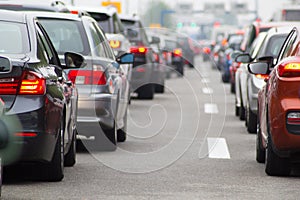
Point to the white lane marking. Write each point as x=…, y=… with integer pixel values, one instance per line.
x=217, y=148
x=207, y=90
x=211, y=108
x=205, y=80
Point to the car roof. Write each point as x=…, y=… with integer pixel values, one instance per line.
x=13, y=16
x=129, y=17
x=55, y=6
x=108, y=10
x=54, y=15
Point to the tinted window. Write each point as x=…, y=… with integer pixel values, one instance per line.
x=273, y=46
x=13, y=38
x=103, y=21
x=66, y=35
x=98, y=42
x=288, y=45
x=292, y=15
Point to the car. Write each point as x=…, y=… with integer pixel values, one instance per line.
x=278, y=139
x=187, y=47
x=251, y=34
x=109, y=21
x=169, y=45
x=269, y=47
x=103, y=88
x=145, y=71
x=36, y=91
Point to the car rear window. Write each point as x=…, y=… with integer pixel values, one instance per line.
x=66, y=35
x=103, y=21
x=13, y=38
x=291, y=15
x=273, y=46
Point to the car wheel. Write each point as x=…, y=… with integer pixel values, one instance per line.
x=242, y=112
x=122, y=133
x=275, y=165
x=55, y=169
x=106, y=139
x=70, y=157
x=159, y=88
x=232, y=88
x=146, y=91
x=260, y=150
x=251, y=121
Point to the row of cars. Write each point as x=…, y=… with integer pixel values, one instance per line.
x=266, y=85
x=71, y=72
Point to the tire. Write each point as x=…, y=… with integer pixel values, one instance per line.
x=251, y=121
x=159, y=88
x=232, y=88
x=260, y=150
x=242, y=112
x=122, y=133
x=106, y=139
x=275, y=165
x=70, y=157
x=237, y=111
x=146, y=91
x=55, y=169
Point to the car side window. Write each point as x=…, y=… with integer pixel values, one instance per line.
x=48, y=50
x=99, y=48
x=108, y=51
x=116, y=24
x=287, y=46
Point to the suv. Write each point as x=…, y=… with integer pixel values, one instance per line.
x=108, y=19
x=103, y=89
x=145, y=69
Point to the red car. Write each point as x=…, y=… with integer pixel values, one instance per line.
x=278, y=137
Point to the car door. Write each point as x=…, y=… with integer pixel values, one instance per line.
x=57, y=82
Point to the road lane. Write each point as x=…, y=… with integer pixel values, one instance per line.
x=167, y=156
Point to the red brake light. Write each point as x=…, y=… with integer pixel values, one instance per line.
x=26, y=134
x=142, y=50
x=206, y=50
x=88, y=77
x=32, y=83
x=115, y=44
x=289, y=70
x=177, y=52
x=9, y=85
x=74, y=12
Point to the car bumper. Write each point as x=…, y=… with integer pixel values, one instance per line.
x=95, y=112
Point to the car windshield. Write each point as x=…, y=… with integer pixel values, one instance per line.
x=14, y=38
x=66, y=35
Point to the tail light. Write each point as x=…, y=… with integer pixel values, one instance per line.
x=156, y=57
x=88, y=77
x=289, y=70
x=141, y=50
x=262, y=76
x=177, y=52
x=32, y=83
x=206, y=50
x=9, y=85
x=115, y=44
x=75, y=12
x=293, y=118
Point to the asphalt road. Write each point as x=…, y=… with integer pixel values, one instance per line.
x=184, y=144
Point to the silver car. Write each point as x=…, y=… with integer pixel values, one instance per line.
x=102, y=85
x=266, y=47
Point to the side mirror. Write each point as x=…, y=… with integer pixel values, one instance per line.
x=155, y=40
x=5, y=65
x=243, y=58
x=74, y=60
x=127, y=58
x=261, y=68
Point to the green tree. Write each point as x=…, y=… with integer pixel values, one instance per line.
x=153, y=14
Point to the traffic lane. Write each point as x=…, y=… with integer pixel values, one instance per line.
x=189, y=176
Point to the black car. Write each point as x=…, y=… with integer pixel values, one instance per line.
x=35, y=90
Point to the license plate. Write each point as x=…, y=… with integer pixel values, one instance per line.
x=79, y=80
